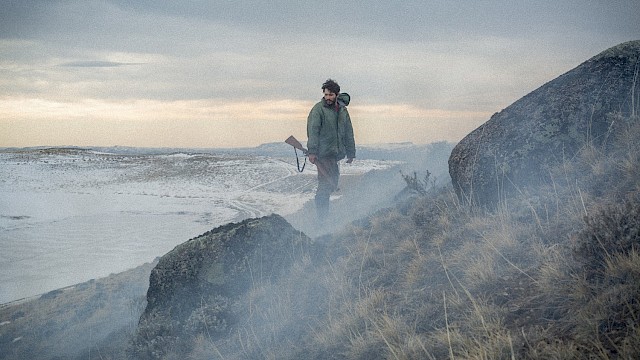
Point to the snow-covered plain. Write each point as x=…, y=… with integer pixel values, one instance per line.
x=68, y=215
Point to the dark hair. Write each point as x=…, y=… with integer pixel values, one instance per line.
x=331, y=86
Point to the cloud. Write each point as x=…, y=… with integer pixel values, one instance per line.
x=409, y=20
x=458, y=57
x=95, y=63
x=202, y=123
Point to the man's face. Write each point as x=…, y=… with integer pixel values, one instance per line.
x=329, y=97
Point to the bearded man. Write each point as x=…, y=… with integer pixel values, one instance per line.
x=330, y=139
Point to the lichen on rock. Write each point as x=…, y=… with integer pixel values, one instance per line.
x=196, y=287
x=516, y=147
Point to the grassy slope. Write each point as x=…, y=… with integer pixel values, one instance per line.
x=95, y=320
x=92, y=320
x=530, y=280
x=551, y=274
x=555, y=274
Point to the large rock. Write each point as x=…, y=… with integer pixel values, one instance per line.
x=195, y=288
x=515, y=148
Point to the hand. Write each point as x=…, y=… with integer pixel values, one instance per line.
x=312, y=158
x=349, y=160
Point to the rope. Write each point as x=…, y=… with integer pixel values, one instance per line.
x=298, y=161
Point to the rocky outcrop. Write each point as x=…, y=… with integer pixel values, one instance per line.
x=515, y=148
x=195, y=288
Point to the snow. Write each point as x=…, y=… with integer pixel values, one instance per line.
x=70, y=215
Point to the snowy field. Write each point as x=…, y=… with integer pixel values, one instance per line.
x=70, y=215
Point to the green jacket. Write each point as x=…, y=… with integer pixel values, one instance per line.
x=329, y=132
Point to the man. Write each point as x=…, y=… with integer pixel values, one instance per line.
x=330, y=139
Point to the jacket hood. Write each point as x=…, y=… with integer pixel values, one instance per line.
x=344, y=99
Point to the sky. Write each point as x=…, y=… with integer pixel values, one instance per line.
x=235, y=73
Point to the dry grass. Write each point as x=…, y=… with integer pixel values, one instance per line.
x=512, y=280
x=549, y=275
x=436, y=279
x=91, y=320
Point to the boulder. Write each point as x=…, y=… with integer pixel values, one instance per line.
x=196, y=288
x=515, y=148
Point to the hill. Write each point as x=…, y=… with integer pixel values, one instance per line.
x=96, y=319
x=547, y=274
x=554, y=275
x=553, y=272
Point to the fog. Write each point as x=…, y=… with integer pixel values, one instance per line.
x=71, y=215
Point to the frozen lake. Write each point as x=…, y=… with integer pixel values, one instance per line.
x=70, y=215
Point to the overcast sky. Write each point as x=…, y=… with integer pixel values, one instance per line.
x=240, y=73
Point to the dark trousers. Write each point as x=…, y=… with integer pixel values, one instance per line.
x=328, y=175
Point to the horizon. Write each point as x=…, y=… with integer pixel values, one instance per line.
x=91, y=147
x=224, y=75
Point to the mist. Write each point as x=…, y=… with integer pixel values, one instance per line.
x=107, y=308
x=377, y=281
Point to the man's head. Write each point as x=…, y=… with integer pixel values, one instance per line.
x=331, y=89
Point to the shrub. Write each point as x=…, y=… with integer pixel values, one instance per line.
x=419, y=186
x=611, y=231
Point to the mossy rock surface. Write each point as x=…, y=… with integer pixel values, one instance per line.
x=196, y=287
x=515, y=148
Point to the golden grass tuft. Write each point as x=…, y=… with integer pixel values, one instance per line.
x=435, y=278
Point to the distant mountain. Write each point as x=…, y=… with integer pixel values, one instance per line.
x=406, y=151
